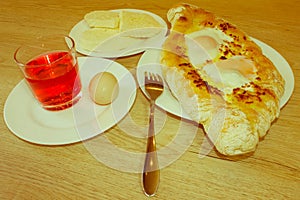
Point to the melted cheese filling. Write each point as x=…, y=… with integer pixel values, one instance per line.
x=204, y=45
x=229, y=74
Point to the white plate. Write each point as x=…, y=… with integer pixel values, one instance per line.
x=27, y=120
x=150, y=62
x=119, y=46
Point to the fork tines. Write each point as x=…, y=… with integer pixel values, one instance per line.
x=150, y=76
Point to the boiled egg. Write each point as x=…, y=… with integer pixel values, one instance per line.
x=104, y=88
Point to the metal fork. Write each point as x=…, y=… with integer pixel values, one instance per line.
x=154, y=87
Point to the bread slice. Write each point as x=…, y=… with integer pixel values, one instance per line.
x=102, y=19
x=234, y=118
x=138, y=25
x=94, y=37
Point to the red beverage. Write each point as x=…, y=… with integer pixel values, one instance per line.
x=54, y=79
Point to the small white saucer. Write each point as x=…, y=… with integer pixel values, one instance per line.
x=120, y=46
x=27, y=120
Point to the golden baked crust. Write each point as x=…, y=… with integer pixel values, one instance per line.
x=242, y=113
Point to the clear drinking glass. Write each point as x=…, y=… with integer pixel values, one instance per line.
x=50, y=67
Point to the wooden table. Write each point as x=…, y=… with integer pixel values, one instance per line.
x=29, y=171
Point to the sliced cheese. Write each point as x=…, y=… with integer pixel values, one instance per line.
x=102, y=19
x=92, y=39
x=138, y=25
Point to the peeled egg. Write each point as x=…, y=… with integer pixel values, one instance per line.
x=103, y=88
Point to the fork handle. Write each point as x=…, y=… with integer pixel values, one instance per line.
x=151, y=171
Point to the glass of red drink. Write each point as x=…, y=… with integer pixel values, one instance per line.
x=50, y=67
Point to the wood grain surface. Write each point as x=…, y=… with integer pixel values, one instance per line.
x=77, y=171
